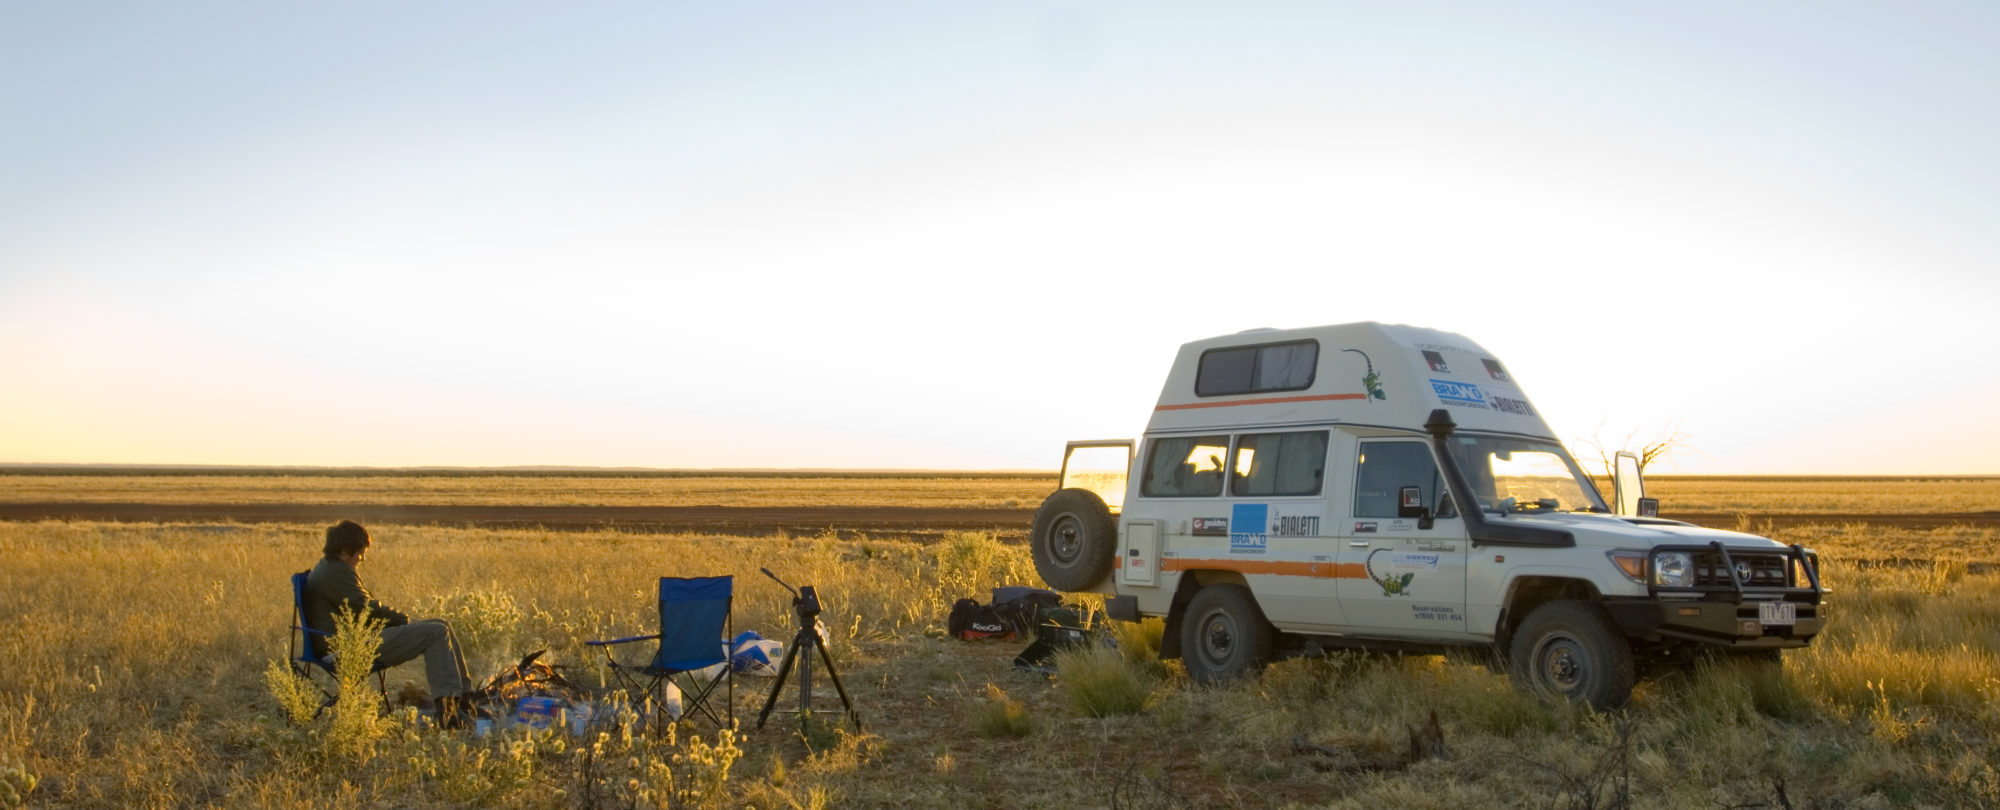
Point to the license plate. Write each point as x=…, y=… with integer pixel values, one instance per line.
x=1779, y=613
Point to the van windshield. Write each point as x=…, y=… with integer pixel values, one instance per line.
x=1523, y=475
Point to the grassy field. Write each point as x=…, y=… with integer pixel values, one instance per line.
x=136, y=658
x=1805, y=496
x=1702, y=494
x=905, y=490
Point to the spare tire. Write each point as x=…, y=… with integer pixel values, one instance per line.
x=1074, y=540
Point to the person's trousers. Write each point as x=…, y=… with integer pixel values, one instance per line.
x=444, y=664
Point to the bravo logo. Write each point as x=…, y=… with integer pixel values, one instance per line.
x=1458, y=393
x=1251, y=516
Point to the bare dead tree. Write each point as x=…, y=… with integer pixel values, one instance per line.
x=1591, y=452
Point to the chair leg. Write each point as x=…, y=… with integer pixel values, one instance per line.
x=702, y=696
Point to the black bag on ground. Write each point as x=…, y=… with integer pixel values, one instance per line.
x=970, y=620
x=1023, y=607
x=1060, y=628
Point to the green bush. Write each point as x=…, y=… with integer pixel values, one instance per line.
x=357, y=712
x=295, y=695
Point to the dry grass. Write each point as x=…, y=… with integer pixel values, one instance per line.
x=988, y=491
x=1806, y=495
x=1707, y=494
x=136, y=659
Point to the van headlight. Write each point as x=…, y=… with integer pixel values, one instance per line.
x=1673, y=569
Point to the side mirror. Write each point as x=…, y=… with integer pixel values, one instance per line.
x=1649, y=507
x=1410, y=504
x=1627, y=487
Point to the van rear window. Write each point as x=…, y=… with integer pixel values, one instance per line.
x=1254, y=369
x=1184, y=467
x=1279, y=464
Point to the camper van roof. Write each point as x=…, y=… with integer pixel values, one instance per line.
x=1389, y=375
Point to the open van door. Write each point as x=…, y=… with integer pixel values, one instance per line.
x=1099, y=466
x=1628, y=488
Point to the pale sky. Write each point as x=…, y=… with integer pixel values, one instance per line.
x=954, y=235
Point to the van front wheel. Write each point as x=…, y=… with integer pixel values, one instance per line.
x=1073, y=540
x=1224, y=635
x=1570, y=650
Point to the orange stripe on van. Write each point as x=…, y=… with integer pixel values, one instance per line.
x=1264, y=401
x=1322, y=570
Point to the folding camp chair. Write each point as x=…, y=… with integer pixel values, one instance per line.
x=694, y=625
x=304, y=661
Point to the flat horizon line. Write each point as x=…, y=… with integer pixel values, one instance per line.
x=49, y=468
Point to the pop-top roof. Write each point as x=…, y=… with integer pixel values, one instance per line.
x=1360, y=373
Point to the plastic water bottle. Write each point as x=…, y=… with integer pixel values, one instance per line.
x=579, y=718
x=482, y=727
x=670, y=694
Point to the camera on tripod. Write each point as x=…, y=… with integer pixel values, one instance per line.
x=804, y=646
x=806, y=603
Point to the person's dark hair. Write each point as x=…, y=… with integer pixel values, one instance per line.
x=345, y=537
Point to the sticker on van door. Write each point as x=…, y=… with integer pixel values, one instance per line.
x=1392, y=583
x=1247, y=522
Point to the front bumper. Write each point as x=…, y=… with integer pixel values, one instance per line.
x=1721, y=606
x=1718, y=623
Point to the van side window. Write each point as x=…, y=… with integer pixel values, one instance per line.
x=1251, y=369
x=1279, y=463
x=1185, y=467
x=1385, y=467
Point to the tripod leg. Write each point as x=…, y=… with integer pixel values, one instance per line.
x=844, y=702
x=784, y=670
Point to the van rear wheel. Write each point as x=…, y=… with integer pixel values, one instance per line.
x=1073, y=540
x=1224, y=635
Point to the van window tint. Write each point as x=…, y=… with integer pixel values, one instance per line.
x=1185, y=466
x=1251, y=369
x=1279, y=463
x=1386, y=467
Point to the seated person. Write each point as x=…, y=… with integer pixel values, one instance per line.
x=335, y=583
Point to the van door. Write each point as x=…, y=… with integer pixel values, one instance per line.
x=1277, y=491
x=1399, y=575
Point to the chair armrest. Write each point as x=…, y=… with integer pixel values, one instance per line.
x=621, y=640
x=312, y=631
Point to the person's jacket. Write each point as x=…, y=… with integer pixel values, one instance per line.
x=332, y=584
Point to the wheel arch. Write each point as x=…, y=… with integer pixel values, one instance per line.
x=1191, y=581
x=1529, y=591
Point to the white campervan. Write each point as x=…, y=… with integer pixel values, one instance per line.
x=1390, y=486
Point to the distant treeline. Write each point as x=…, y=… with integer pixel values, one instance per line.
x=492, y=472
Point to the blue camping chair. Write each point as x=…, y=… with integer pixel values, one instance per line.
x=694, y=625
x=304, y=661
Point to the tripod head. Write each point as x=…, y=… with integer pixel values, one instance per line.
x=805, y=600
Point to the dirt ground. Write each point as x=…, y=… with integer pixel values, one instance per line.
x=754, y=521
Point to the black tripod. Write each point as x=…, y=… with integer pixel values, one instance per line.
x=806, y=602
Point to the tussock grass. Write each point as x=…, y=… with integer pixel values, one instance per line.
x=1002, y=716
x=1098, y=682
